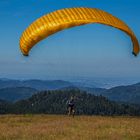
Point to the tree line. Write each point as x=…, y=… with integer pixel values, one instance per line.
x=54, y=102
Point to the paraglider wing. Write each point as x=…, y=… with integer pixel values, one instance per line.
x=67, y=18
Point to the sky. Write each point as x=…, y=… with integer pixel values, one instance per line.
x=92, y=50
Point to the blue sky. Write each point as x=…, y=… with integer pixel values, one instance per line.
x=87, y=51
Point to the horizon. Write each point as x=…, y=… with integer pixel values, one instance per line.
x=95, y=82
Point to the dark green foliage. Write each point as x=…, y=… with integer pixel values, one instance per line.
x=54, y=102
x=5, y=107
x=17, y=93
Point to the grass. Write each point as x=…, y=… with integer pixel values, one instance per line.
x=59, y=127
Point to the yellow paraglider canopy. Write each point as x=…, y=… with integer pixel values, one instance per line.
x=67, y=18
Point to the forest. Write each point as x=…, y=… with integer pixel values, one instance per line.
x=54, y=102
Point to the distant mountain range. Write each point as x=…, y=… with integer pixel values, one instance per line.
x=130, y=93
x=13, y=90
x=36, y=84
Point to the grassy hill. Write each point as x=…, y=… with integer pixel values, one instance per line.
x=59, y=127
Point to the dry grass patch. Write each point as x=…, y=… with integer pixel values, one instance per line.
x=59, y=127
